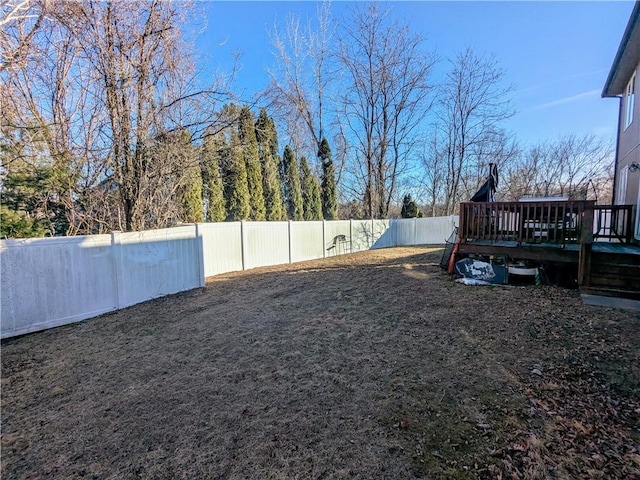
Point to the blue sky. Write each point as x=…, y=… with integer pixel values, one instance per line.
x=555, y=54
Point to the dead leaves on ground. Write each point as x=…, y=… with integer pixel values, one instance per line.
x=580, y=424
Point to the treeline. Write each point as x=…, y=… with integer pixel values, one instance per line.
x=243, y=176
x=235, y=173
x=571, y=166
x=405, y=137
x=106, y=125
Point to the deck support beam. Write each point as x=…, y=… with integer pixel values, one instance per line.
x=586, y=246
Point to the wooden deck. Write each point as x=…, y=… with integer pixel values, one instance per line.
x=544, y=251
x=596, y=239
x=552, y=222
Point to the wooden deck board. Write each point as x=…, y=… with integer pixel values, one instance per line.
x=526, y=251
x=616, y=248
x=598, y=247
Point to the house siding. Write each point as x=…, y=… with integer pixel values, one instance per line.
x=629, y=147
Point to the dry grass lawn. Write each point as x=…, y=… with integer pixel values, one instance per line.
x=370, y=365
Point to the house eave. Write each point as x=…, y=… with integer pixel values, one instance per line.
x=626, y=58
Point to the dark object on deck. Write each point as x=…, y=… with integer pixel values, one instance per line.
x=448, y=249
x=488, y=189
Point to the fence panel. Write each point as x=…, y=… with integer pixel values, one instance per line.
x=222, y=247
x=154, y=263
x=49, y=282
x=405, y=230
x=54, y=281
x=337, y=237
x=361, y=235
x=433, y=231
x=384, y=234
x=306, y=241
x=265, y=243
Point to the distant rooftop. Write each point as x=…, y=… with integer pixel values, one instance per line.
x=544, y=199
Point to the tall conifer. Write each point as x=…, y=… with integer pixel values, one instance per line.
x=292, y=190
x=329, y=193
x=213, y=193
x=189, y=191
x=191, y=197
x=236, y=187
x=271, y=184
x=311, y=201
x=247, y=134
x=275, y=152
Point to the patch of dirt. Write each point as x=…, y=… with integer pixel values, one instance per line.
x=370, y=365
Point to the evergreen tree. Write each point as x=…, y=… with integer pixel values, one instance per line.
x=190, y=186
x=213, y=193
x=247, y=133
x=29, y=205
x=272, y=135
x=410, y=208
x=329, y=193
x=292, y=190
x=37, y=187
x=271, y=184
x=18, y=224
x=236, y=186
x=275, y=152
x=191, y=195
x=311, y=201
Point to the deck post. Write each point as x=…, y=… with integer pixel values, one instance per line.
x=586, y=244
x=462, y=222
x=629, y=233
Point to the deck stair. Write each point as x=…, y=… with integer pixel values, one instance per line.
x=614, y=271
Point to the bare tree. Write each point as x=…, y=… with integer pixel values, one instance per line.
x=300, y=79
x=433, y=180
x=472, y=104
x=141, y=64
x=100, y=96
x=133, y=52
x=386, y=97
x=21, y=20
x=576, y=167
x=53, y=127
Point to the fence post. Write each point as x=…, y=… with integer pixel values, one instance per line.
x=243, y=247
x=396, y=221
x=116, y=256
x=289, y=227
x=324, y=239
x=373, y=234
x=200, y=256
x=350, y=235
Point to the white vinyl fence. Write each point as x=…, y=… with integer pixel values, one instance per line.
x=47, y=282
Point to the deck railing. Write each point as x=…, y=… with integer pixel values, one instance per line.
x=613, y=223
x=554, y=222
